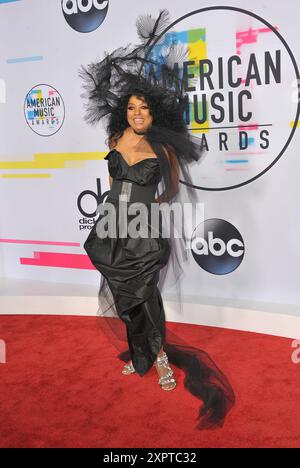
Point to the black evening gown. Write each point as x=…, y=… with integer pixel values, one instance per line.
x=131, y=266
x=130, y=269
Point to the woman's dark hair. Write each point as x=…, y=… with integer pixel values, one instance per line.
x=165, y=111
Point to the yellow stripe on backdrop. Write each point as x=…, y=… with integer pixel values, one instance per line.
x=54, y=160
x=15, y=176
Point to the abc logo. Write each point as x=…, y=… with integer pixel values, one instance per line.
x=217, y=246
x=84, y=15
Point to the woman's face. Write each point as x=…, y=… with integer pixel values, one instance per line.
x=138, y=114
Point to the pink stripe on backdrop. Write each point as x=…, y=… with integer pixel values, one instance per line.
x=245, y=153
x=23, y=241
x=236, y=169
x=252, y=127
x=61, y=260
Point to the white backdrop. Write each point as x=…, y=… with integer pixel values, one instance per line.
x=44, y=169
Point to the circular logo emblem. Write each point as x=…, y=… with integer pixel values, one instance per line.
x=44, y=110
x=242, y=83
x=84, y=15
x=217, y=246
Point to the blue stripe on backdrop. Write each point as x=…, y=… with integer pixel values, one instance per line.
x=34, y=58
x=9, y=1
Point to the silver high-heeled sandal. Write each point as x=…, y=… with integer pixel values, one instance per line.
x=167, y=382
x=128, y=369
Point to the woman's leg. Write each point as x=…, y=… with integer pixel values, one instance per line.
x=145, y=327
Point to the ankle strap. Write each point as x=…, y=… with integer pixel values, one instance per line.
x=162, y=359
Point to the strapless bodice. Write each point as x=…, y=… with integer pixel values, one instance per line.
x=144, y=172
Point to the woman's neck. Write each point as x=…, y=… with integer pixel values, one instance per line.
x=133, y=135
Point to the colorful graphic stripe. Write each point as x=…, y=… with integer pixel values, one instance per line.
x=59, y=260
x=195, y=41
x=236, y=161
x=33, y=58
x=24, y=176
x=292, y=123
x=55, y=160
x=249, y=36
x=40, y=242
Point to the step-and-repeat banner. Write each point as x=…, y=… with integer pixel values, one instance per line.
x=242, y=78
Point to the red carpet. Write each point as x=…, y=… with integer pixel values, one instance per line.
x=62, y=387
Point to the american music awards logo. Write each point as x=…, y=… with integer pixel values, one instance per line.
x=240, y=77
x=44, y=110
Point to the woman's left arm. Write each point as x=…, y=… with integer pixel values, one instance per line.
x=174, y=176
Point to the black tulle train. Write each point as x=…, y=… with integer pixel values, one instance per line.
x=203, y=378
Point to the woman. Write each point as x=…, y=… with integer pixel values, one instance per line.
x=150, y=149
x=132, y=160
